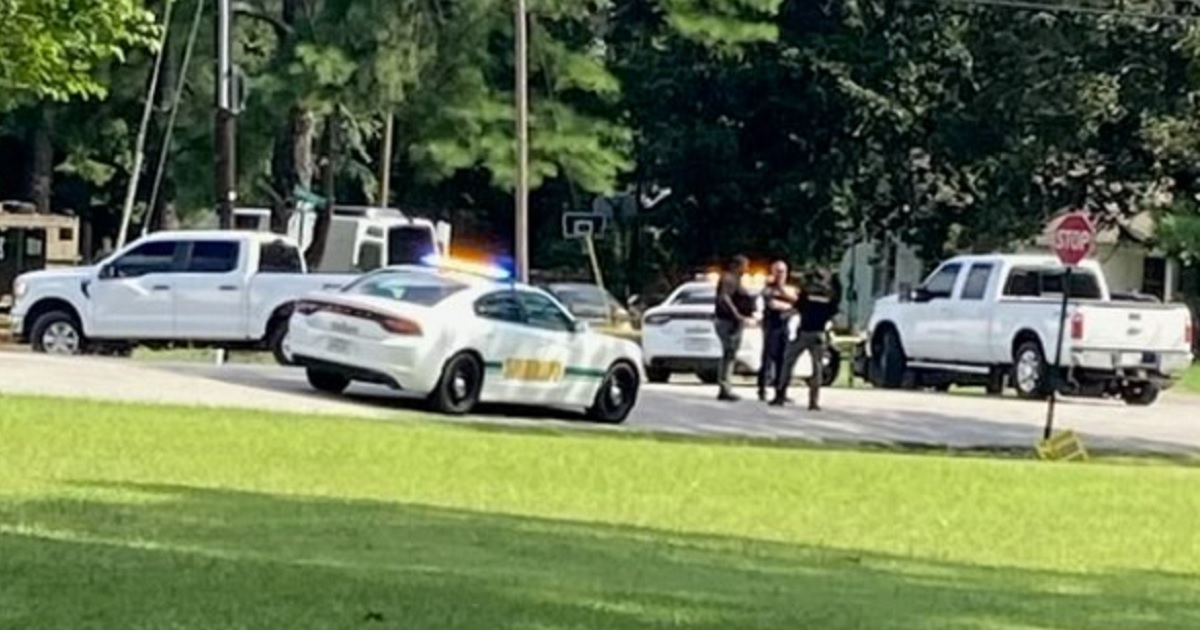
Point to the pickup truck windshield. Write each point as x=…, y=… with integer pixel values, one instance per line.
x=1039, y=282
x=419, y=288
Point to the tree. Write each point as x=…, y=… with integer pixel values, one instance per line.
x=49, y=50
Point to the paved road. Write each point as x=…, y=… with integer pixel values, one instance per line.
x=1172, y=425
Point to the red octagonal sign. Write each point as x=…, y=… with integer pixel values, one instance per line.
x=1074, y=238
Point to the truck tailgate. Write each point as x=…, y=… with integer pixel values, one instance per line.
x=1138, y=327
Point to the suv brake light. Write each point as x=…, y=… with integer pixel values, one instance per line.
x=1189, y=332
x=1077, y=326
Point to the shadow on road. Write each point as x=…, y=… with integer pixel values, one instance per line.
x=851, y=416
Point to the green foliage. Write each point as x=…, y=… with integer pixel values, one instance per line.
x=50, y=49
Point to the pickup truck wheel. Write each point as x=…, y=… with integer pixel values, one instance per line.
x=1140, y=395
x=658, y=375
x=891, y=364
x=325, y=381
x=457, y=391
x=1030, y=371
x=57, y=332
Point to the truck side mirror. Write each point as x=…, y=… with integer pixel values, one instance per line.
x=107, y=271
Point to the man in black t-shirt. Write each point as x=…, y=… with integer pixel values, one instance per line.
x=729, y=320
x=818, y=303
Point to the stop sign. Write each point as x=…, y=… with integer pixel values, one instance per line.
x=1074, y=238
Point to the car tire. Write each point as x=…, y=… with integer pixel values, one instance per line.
x=276, y=336
x=1141, y=394
x=832, y=367
x=708, y=377
x=458, y=390
x=326, y=381
x=58, y=332
x=1031, y=373
x=658, y=375
x=891, y=364
x=995, y=383
x=617, y=395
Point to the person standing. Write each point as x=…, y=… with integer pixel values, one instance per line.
x=777, y=301
x=729, y=319
x=817, y=303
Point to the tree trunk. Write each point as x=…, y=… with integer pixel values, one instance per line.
x=292, y=159
x=320, y=236
x=41, y=180
x=291, y=164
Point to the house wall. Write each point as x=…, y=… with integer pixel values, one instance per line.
x=864, y=271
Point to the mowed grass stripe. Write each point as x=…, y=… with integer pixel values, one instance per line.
x=147, y=517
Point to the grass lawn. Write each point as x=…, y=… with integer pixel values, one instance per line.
x=1191, y=380
x=140, y=517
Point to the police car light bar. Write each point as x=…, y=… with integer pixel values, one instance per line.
x=494, y=272
x=749, y=279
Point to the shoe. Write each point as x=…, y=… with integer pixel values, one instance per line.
x=762, y=394
x=728, y=397
x=777, y=402
x=812, y=407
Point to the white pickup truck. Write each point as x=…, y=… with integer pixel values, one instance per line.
x=993, y=321
x=230, y=289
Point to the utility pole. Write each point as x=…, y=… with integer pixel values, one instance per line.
x=385, y=161
x=521, y=235
x=226, y=118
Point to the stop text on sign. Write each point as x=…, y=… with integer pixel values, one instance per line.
x=1073, y=240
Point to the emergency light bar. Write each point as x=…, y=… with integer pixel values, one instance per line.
x=753, y=280
x=494, y=272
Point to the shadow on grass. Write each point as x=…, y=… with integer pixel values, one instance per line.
x=133, y=556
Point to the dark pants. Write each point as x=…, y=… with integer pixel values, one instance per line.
x=814, y=343
x=774, y=356
x=730, y=334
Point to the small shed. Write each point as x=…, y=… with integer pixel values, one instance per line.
x=30, y=241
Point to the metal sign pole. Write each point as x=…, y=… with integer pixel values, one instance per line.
x=1055, y=380
x=590, y=244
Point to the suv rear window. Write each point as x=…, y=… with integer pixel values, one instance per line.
x=413, y=287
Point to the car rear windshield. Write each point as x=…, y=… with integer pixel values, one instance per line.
x=424, y=289
x=695, y=297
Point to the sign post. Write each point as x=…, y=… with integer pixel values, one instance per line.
x=1074, y=238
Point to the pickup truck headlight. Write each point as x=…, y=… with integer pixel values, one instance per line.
x=19, y=289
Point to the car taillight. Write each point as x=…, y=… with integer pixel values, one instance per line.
x=657, y=320
x=1189, y=332
x=308, y=308
x=1077, y=326
x=400, y=326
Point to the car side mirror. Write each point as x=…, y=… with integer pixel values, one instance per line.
x=579, y=326
x=921, y=295
x=107, y=272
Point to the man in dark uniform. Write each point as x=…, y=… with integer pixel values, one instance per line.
x=817, y=304
x=776, y=309
x=730, y=317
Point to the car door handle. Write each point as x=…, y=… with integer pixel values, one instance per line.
x=160, y=287
x=227, y=287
